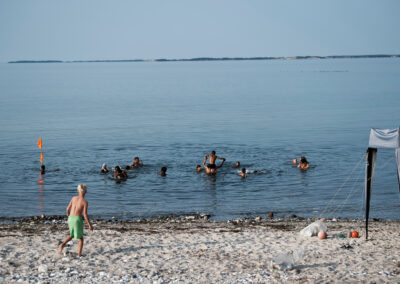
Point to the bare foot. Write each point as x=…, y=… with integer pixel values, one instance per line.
x=60, y=248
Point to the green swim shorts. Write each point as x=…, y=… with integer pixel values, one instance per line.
x=75, y=224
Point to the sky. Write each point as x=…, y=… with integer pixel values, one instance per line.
x=104, y=29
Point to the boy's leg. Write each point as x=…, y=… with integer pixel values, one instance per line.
x=80, y=246
x=60, y=248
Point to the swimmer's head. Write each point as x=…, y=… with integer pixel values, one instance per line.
x=198, y=168
x=244, y=170
x=164, y=169
x=237, y=164
x=104, y=166
x=117, y=169
x=82, y=188
x=213, y=152
x=136, y=159
x=303, y=159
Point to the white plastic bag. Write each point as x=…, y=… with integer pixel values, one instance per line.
x=313, y=229
x=287, y=260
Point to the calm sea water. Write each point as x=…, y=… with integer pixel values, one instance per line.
x=261, y=113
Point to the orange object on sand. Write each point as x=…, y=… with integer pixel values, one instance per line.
x=39, y=143
x=354, y=234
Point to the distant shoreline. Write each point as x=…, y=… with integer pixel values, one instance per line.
x=216, y=59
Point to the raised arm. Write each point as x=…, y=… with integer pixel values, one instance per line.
x=223, y=161
x=220, y=158
x=69, y=207
x=85, y=206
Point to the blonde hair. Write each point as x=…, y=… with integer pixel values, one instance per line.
x=82, y=188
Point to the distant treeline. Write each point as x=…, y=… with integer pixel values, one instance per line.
x=216, y=59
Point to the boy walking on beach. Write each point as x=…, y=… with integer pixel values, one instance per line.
x=76, y=206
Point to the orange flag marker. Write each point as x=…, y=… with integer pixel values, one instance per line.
x=39, y=143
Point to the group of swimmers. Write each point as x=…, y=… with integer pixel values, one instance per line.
x=210, y=167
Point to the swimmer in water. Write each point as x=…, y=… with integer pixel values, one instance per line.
x=304, y=165
x=243, y=173
x=213, y=158
x=104, y=169
x=211, y=169
x=120, y=174
x=42, y=169
x=136, y=163
x=163, y=172
x=198, y=168
x=236, y=165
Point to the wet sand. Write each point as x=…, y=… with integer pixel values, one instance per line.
x=193, y=249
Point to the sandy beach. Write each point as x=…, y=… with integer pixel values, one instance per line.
x=193, y=250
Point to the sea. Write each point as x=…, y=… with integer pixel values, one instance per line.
x=261, y=113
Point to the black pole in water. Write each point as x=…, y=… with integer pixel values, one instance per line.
x=371, y=152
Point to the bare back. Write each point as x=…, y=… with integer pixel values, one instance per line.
x=212, y=158
x=77, y=206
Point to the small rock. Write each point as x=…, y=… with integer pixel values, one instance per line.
x=42, y=268
x=205, y=216
x=102, y=274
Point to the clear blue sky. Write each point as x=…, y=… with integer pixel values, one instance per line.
x=105, y=29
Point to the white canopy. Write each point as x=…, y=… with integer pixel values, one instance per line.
x=379, y=138
x=384, y=138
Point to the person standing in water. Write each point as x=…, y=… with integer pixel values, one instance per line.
x=136, y=163
x=213, y=157
x=120, y=174
x=304, y=165
x=163, y=172
x=76, y=207
x=211, y=169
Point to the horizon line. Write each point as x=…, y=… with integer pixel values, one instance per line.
x=300, y=57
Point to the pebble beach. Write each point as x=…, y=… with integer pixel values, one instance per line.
x=195, y=249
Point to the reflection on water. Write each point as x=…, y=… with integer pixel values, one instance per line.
x=40, y=194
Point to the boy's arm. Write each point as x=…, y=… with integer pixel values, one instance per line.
x=69, y=207
x=223, y=161
x=205, y=158
x=85, y=206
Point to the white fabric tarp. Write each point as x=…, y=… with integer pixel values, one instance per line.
x=387, y=138
x=384, y=138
